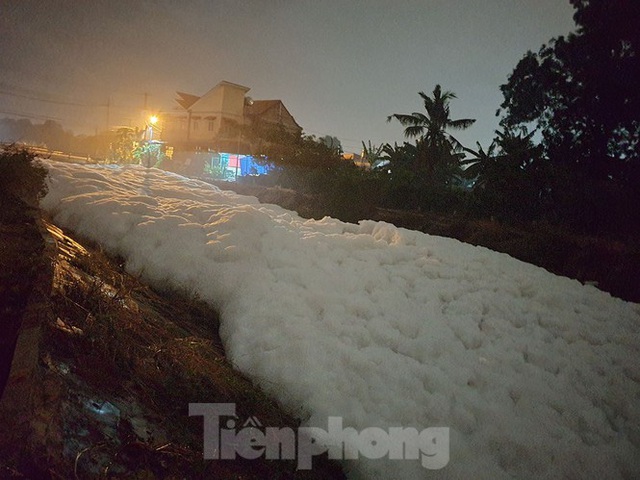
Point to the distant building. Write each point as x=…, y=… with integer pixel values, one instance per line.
x=355, y=158
x=211, y=122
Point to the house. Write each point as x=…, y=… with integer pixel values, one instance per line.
x=208, y=128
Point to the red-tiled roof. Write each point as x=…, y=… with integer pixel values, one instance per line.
x=258, y=107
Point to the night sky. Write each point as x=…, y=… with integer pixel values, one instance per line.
x=340, y=67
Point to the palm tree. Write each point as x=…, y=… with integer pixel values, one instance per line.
x=518, y=147
x=400, y=156
x=372, y=154
x=482, y=167
x=438, y=148
x=510, y=176
x=515, y=157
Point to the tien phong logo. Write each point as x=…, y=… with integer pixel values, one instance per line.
x=227, y=439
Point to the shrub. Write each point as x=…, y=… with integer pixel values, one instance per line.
x=21, y=175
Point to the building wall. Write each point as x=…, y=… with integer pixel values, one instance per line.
x=233, y=101
x=212, y=120
x=174, y=127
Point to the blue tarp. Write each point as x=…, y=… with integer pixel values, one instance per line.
x=248, y=166
x=239, y=165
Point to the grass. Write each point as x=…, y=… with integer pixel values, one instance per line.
x=123, y=343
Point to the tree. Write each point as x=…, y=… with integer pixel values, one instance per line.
x=581, y=92
x=482, y=168
x=332, y=142
x=123, y=146
x=149, y=154
x=372, y=154
x=285, y=149
x=439, y=152
x=21, y=176
x=53, y=135
x=403, y=187
x=508, y=181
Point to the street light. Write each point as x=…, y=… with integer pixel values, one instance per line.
x=153, y=120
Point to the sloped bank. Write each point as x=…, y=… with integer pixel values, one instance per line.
x=104, y=369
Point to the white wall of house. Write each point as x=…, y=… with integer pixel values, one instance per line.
x=212, y=118
x=223, y=102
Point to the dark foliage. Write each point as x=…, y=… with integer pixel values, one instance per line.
x=438, y=153
x=53, y=136
x=21, y=176
x=509, y=178
x=314, y=166
x=581, y=94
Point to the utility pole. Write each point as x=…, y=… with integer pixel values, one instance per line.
x=145, y=114
x=97, y=142
x=108, y=112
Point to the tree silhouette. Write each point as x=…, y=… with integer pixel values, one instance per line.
x=581, y=93
x=439, y=152
x=123, y=146
x=372, y=154
x=509, y=177
x=482, y=167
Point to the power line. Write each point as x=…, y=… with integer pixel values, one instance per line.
x=342, y=139
x=39, y=93
x=40, y=98
x=56, y=102
x=15, y=114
